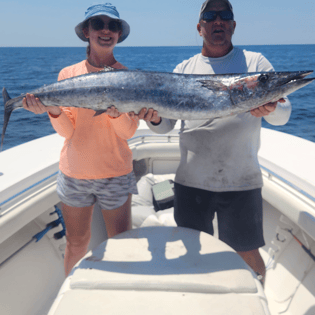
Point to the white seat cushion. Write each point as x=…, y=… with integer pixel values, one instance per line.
x=156, y=264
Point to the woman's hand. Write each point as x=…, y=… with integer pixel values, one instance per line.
x=113, y=112
x=34, y=105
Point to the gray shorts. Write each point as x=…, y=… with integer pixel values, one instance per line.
x=110, y=193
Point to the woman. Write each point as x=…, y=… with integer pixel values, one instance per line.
x=95, y=162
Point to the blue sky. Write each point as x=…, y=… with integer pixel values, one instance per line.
x=40, y=23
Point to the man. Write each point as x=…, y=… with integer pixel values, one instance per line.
x=219, y=170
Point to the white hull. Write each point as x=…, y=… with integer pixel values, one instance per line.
x=31, y=279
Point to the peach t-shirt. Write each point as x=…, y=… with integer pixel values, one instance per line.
x=94, y=147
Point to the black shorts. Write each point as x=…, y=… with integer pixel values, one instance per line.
x=239, y=214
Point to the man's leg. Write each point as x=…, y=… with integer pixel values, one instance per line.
x=241, y=227
x=255, y=261
x=192, y=208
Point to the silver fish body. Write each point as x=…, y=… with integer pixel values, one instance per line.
x=175, y=96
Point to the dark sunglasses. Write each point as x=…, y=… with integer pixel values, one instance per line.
x=99, y=24
x=210, y=16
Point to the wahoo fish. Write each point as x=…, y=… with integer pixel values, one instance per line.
x=173, y=95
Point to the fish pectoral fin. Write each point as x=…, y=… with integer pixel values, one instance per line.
x=99, y=112
x=213, y=85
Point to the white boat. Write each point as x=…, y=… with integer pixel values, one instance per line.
x=156, y=268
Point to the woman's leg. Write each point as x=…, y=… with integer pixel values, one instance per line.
x=118, y=220
x=78, y=233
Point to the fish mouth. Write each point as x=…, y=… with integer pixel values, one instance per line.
x=298, y=76
x=292, y=81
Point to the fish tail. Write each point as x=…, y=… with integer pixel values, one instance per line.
x=8, y=108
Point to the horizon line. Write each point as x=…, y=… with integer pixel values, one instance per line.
x=152, y=46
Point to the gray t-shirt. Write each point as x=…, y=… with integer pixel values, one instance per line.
x=221, y=154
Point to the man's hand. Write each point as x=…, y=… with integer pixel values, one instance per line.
x=266, y=109
x=147, y=115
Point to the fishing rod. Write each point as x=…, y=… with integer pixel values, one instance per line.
x=301, y=244
x=37, y=237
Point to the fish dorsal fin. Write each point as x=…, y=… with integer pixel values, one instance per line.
x=108, y=68
x=213, y=85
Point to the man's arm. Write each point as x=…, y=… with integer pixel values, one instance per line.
x=158, y=124
x=275, y=113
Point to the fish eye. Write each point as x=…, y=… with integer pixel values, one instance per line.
x=263, y=78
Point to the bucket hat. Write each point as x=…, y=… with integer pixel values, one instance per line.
x=103, y=9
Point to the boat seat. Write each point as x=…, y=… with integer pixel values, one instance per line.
x=161, y=270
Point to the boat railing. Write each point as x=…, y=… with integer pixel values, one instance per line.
x=164, y=147
x=291, y=196
x=145, y=138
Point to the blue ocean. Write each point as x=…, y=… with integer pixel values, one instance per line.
x=24, y=69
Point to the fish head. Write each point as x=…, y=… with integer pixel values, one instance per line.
x=256, y=89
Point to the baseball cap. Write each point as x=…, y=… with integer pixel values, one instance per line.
x=208, y=2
